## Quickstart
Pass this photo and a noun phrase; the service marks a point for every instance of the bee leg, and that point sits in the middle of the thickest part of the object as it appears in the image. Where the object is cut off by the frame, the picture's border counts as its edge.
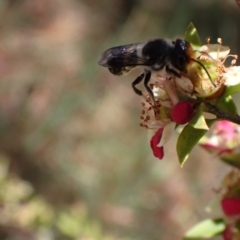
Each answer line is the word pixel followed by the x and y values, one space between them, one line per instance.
pixel 169 70
pixel 137 81
pixel 146 81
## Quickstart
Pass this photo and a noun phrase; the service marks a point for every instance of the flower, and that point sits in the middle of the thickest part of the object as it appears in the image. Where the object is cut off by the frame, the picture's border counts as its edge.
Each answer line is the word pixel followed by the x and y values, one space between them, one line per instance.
pixel 231 206
pixel 182 112
pixel 232 76
pixel 206 73
pixel 175 99
pixel 162 113
pixel 225 139
pixel 157 151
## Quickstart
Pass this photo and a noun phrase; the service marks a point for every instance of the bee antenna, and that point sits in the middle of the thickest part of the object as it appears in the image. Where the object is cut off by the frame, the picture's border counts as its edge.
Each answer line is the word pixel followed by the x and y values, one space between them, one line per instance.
pixel 205 71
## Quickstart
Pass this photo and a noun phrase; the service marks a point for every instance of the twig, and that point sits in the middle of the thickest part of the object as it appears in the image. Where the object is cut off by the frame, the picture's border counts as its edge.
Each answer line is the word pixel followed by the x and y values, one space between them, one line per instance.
pixel 221 114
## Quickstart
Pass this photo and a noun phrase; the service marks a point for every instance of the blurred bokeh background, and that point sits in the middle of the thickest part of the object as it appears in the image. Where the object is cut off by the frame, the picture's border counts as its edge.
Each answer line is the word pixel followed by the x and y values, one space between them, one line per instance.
pixel 74 163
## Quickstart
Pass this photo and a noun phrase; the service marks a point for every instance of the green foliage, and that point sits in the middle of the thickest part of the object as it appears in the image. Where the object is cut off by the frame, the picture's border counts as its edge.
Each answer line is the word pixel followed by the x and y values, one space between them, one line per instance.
pixel 191 134
pixel 25 210
pixel 198 121
pixel 230 90
pixel 187 139
pixel 227 105
pixel 232 159
pixel 191 35
pixel 206 229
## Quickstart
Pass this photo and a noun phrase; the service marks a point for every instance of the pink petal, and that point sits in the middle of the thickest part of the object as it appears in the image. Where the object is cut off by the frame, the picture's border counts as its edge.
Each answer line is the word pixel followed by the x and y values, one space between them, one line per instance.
pixel 227 233
pixel 182 112
pixel 226 129
pixel 157 151
pixel 219 150
pixel 231 206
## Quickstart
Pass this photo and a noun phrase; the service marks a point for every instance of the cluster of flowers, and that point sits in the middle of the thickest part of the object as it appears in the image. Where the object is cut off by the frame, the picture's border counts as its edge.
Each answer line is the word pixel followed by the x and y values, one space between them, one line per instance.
pixel 175 98
pixel 225 144
pixel 224 141
pixel 231 205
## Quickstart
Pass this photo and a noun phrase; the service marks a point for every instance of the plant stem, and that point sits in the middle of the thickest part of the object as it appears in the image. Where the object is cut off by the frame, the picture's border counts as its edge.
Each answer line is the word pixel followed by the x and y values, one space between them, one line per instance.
pixel 220 114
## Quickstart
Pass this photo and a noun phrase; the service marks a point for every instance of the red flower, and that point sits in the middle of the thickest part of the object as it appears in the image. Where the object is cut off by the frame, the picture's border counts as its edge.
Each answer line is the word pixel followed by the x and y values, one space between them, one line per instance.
pixel 231 206
pixel 157 151
pixel 182 112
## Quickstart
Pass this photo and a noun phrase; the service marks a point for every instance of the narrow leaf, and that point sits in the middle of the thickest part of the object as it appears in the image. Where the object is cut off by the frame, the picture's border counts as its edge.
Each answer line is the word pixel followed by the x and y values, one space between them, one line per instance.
pixel 191 35
pixel 198 120
pixel 230 90
pixel 231 159
pixel 227 105
pixel 206 229
pixel 188 138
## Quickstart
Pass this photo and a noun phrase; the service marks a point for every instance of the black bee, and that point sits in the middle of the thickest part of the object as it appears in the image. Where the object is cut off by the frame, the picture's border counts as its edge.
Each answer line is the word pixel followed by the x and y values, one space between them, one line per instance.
pixel 153 56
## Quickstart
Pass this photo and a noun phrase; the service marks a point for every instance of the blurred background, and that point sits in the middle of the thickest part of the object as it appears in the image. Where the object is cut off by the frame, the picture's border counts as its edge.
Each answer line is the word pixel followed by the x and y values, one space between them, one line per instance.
pixel 74 163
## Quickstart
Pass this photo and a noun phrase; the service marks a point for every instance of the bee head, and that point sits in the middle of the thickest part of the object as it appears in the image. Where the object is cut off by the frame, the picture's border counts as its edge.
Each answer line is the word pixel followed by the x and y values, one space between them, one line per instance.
pixel 180 55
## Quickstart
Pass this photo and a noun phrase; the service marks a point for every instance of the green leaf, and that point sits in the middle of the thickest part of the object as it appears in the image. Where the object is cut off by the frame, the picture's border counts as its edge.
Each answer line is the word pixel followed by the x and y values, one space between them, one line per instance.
pixel 206 229
pixel 188 138
pixel 227 105
pixel 191 35
pixel 198 120
pixel 230 90
pixel 237 225
pixel 69 225
pixel 232 159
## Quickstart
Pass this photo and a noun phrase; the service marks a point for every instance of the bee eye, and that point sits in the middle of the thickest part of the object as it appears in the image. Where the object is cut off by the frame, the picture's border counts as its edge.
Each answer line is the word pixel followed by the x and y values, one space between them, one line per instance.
pixel 181 62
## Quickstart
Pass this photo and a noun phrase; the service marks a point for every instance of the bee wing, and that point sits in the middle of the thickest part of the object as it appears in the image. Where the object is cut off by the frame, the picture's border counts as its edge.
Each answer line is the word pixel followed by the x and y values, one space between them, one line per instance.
pixel 124 56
